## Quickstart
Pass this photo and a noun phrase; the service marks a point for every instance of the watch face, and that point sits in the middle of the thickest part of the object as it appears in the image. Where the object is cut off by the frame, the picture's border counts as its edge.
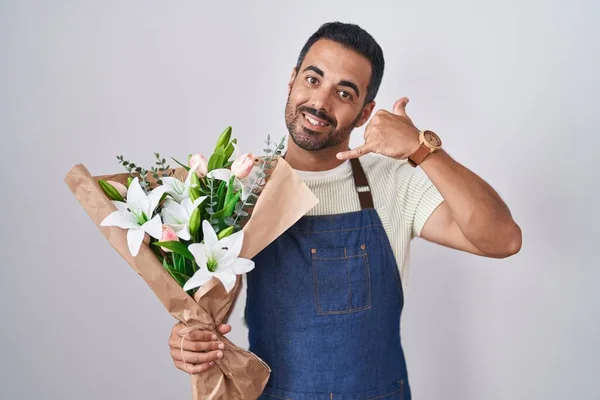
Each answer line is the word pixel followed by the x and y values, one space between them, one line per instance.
pixel 432 138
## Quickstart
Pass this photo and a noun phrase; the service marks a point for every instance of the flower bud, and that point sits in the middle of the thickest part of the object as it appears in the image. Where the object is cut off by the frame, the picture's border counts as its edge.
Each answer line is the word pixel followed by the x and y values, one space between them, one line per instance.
pixel 168 235
pixel 242 166
pixel 194 222
pixel 224 138
pixel 198 164
pixel 122 189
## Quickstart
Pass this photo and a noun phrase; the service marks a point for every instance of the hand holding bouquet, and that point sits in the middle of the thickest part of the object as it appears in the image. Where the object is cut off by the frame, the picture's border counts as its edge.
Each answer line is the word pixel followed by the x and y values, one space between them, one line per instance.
pixel 191 233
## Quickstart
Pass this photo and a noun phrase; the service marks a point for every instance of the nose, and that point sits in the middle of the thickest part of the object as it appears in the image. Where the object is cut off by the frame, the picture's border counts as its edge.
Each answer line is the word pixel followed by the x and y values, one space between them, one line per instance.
pixel 321 101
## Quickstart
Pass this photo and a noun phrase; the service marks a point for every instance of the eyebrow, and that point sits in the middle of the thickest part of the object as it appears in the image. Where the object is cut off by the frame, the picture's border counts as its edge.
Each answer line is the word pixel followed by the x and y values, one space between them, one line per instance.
pixel 346 83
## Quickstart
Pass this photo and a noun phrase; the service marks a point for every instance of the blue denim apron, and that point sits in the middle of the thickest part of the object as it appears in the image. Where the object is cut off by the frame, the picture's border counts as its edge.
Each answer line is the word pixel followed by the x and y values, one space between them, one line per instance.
pixel 323 309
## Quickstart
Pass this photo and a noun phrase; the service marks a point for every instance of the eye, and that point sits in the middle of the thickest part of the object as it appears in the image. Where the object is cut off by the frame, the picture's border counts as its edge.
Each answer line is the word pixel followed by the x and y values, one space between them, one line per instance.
pixel 312 80
pixel 345 95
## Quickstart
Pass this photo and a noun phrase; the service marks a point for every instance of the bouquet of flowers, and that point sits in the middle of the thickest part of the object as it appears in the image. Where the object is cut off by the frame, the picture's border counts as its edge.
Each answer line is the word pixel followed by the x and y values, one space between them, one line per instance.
pixel 191 232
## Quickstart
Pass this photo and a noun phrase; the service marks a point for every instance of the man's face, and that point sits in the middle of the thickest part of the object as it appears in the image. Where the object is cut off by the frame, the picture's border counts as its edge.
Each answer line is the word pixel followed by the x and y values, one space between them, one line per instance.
pixel 326 96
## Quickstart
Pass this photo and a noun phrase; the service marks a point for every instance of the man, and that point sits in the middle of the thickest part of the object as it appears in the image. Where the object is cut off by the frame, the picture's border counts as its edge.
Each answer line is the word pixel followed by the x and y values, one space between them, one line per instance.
pixel 324 301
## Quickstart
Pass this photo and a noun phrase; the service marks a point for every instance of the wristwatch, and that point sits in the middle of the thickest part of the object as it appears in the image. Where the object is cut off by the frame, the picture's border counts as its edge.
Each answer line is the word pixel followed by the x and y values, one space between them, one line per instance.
pixel 429 142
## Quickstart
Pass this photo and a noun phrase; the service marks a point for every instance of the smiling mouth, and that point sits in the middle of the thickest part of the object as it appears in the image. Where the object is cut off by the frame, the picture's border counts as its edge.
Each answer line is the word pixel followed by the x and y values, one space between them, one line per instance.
pixel 314 121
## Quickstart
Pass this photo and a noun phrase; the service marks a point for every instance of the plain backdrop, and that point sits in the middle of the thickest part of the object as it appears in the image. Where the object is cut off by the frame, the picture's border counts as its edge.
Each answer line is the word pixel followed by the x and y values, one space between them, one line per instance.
pixel 511 86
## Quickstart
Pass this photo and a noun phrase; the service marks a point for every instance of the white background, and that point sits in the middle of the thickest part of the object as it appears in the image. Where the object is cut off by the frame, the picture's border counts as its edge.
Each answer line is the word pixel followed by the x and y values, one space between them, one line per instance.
pixel 511 86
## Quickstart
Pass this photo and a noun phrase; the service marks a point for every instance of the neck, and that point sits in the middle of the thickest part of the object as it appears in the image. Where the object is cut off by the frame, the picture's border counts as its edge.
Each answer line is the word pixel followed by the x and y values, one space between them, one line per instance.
pixel 319 160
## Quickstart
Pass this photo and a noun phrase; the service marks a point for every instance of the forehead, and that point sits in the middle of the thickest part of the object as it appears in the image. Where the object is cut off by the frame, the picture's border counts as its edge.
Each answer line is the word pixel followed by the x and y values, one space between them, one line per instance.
pixel 338 63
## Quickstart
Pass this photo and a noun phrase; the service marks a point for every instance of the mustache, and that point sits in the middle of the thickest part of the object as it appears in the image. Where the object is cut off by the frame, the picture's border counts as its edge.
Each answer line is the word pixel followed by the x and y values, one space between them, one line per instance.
pixel 319 114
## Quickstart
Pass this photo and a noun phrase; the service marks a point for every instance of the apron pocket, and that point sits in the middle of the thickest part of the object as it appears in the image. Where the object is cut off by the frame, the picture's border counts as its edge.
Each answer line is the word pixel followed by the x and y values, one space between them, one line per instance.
pixel 342 280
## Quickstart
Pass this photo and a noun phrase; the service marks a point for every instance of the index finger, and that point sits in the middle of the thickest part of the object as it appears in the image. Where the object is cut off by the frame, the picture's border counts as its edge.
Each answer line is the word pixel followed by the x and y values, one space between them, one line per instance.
pixel 355 153
pixel 204 336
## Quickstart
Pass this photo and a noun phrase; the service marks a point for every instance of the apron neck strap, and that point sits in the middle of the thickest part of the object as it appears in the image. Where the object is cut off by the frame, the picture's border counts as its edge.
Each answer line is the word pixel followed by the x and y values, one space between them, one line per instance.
pixel 362 185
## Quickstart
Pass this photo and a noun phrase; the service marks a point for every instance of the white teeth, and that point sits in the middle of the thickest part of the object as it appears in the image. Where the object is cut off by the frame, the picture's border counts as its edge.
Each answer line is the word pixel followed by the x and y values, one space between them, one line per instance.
pixel 314 122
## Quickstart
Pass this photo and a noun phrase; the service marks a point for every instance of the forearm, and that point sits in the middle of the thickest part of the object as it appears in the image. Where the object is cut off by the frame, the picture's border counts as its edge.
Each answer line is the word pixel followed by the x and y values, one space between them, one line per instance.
pixel 478 211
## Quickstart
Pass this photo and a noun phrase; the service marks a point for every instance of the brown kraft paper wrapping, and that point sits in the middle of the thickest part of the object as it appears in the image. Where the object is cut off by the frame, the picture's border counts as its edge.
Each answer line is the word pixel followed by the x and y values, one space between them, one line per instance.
pixel 239 374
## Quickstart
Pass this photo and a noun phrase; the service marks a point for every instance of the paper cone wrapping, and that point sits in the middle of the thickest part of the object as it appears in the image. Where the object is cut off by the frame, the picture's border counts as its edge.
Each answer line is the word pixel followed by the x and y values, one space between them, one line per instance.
pixel 240 374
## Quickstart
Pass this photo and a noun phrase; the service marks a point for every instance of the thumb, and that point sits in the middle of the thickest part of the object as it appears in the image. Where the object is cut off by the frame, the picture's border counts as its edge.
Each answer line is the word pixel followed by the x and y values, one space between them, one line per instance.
pixel 400 107
pixel 224 329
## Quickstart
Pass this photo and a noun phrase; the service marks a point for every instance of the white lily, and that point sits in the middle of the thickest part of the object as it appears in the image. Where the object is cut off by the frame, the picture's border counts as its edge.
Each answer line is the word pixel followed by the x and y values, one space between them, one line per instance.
pixel 224 174
pixel 176 188
pixel 218 258
pixel 177 216
pixel 135 215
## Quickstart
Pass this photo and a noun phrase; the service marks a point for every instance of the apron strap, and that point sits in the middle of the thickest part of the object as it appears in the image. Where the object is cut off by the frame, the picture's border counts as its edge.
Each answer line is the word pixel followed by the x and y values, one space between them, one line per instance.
pixel 362 185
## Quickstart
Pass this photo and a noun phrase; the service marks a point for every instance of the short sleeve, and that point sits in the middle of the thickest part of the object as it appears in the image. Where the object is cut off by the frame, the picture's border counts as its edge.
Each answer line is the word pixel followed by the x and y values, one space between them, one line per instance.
pixel 417 196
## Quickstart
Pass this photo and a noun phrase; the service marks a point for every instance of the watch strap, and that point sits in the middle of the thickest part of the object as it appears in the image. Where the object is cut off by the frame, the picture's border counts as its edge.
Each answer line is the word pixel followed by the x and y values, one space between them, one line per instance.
pixel 419 155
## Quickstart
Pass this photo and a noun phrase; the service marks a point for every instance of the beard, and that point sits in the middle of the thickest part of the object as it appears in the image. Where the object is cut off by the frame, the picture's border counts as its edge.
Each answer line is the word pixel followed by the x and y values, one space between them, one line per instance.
pixel 310 140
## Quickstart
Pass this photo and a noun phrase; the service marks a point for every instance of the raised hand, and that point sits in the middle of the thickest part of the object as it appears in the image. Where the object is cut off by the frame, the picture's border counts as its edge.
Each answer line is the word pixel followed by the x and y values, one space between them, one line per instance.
pixel 391 134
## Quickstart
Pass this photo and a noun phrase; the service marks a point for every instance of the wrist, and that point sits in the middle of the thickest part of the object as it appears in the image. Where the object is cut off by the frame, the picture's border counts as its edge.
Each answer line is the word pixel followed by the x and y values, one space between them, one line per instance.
pixel 429 143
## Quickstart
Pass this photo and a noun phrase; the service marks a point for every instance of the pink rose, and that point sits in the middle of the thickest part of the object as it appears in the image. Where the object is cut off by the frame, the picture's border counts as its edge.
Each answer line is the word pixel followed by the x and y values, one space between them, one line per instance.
pixel 199 164
pixel 168 235
pixel 242 166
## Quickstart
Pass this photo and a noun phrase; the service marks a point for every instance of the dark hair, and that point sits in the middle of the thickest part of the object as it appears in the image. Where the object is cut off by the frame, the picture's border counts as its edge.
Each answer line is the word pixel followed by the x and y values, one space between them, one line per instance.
pixel 355 38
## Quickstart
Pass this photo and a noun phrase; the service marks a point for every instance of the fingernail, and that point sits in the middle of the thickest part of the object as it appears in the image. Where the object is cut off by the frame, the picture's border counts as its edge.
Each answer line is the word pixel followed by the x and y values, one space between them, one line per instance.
pixel 338 155
pixel 214 337
pixel 219 354
pixel 212 363
pixel 221 346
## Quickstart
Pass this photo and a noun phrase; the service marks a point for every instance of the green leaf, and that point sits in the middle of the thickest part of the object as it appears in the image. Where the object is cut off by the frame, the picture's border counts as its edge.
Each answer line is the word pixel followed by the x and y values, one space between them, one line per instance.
pixel 183 165
pixel 217 159
pixel 194 193
pixel 230 206
pixel 179 263
pixel 229 150
pixel 221 195
pixel 176 247
pixel 180 278
pixel 230 190
pixel 110 191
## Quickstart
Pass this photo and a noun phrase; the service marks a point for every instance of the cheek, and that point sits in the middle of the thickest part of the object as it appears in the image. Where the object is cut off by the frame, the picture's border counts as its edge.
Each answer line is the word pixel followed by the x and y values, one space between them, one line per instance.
pixel 299 96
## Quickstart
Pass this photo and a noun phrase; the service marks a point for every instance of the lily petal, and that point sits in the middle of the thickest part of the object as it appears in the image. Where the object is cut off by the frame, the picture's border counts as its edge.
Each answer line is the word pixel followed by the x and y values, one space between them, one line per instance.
pixel 175 213
pixel 153 227
pixel 236 151
pixel 210 236
pixel 154 198
pixel 135 237
pixel 187 206
pixel 233 244
pixel 242 266
pixel 175 188
pixel 136 198
pixel 199 201
pixel 222 174
pixel 188 179
pixel 184 233
pixel 201 276
pixel 121 206
pixel 123 220
pixel 227 278
pixel 198 250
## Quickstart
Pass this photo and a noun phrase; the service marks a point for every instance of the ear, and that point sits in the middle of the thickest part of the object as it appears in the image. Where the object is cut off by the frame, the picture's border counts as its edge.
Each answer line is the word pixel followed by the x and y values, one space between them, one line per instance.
pixel 365 114
pixel 292 79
